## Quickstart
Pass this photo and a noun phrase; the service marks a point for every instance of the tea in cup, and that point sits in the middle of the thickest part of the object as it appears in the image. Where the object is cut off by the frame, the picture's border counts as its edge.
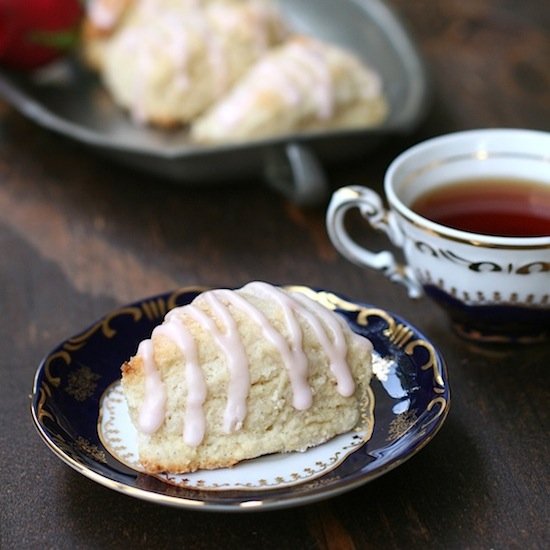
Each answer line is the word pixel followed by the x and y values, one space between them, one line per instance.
pixel 471 213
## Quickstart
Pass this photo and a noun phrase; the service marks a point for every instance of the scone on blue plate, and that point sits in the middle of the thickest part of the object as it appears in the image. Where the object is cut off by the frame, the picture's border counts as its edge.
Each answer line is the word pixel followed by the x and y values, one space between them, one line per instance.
pixel 238 374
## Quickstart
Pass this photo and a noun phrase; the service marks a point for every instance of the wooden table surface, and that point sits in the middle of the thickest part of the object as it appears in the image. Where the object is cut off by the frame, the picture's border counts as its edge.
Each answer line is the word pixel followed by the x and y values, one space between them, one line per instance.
pixel 79 237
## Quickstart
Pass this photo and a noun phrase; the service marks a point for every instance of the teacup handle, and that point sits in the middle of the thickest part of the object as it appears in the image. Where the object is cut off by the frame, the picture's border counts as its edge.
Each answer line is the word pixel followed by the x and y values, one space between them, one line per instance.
pixel 371 208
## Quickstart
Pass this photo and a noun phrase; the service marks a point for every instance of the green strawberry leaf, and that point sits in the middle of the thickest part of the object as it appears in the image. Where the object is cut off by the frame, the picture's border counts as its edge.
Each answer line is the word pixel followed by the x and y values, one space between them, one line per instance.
pixel 58 40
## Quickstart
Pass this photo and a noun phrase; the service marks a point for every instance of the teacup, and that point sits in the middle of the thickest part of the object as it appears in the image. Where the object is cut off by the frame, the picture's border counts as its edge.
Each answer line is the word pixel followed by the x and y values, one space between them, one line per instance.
pixel 495 287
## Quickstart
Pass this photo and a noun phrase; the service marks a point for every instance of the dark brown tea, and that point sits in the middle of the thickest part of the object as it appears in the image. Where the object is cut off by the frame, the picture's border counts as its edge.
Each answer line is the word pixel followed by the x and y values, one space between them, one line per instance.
pixel 504 207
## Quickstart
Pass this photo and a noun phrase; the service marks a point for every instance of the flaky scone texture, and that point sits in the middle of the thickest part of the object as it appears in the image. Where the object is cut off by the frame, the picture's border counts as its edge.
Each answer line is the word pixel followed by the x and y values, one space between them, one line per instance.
pixel 271 423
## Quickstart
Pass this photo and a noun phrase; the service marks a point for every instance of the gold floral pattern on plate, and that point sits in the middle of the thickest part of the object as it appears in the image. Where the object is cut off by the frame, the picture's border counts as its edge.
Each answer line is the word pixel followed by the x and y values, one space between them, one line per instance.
pixel 119 437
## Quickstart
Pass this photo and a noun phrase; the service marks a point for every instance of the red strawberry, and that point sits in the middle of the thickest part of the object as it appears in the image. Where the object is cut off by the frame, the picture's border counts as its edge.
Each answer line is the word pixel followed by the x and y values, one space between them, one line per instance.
pixel 35 32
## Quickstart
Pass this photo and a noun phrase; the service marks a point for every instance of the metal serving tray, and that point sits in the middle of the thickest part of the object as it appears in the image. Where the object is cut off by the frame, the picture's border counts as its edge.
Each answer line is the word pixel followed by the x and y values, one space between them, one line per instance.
pixel 71 101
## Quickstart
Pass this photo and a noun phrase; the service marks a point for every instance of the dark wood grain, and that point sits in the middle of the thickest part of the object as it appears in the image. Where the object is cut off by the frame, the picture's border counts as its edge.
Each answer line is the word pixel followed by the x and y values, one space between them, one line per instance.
pixel 79 236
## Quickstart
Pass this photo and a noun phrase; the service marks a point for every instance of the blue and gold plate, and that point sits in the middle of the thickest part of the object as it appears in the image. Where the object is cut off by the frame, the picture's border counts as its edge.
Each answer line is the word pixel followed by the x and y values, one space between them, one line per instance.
pixel 78 409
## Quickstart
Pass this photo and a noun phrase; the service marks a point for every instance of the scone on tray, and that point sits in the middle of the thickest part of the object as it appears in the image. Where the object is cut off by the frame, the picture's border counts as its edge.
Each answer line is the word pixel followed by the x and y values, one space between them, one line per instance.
pixel 302 85
pixel 228 70
pixel 239 374
pixel 169 60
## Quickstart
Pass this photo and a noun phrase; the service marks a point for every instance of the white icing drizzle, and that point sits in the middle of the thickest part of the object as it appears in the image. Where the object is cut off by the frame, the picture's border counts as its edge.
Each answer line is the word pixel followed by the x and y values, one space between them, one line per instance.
pixel 237 362
pixel 293 359
pixel 312 58
pixel 151 414
pixel 336 348
pixel 218 321
pixel 195 421
pixel 294 72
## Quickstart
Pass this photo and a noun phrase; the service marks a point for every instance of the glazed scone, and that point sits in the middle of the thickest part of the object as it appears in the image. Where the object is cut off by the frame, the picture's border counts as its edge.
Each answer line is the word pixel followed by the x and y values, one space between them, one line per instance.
pixel 170 60
pixel 102 19
pixel 302 85
pixel 239 374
